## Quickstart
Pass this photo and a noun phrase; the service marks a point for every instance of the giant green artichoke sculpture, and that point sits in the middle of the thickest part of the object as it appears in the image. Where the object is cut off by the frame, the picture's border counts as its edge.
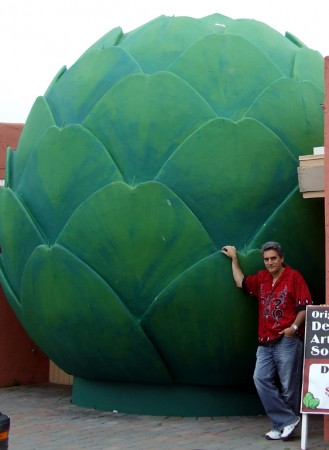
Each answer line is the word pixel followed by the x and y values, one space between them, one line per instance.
pixel 153 150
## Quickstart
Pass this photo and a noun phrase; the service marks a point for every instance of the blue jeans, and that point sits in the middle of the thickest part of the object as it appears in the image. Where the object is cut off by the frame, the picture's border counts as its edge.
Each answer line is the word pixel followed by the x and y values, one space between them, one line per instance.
pixel 277 378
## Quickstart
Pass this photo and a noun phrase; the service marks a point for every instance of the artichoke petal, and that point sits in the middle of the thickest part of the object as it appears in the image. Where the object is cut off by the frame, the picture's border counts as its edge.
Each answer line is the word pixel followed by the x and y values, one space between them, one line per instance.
pixel 142 238
pixel 217 22
pixel 58 75
pixel 290 98
pixel 225 188
pixel 279 49
pixel 141 131
pixel 305 61
pixel 207 347
pixel 59 168
pixel 16 226
pixel 10 161
pixel 38 122
pixel 232 80
pixel 77 310
pixel 80 88
pixel 177 33
pixel 109 39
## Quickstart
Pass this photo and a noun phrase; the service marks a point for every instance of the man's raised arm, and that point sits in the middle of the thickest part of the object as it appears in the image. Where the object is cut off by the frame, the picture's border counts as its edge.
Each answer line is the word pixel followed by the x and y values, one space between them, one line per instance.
pixel 230 252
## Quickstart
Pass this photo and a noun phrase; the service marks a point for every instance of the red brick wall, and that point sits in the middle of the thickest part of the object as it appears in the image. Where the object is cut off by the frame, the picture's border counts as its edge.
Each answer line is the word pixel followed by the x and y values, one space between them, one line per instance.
pixel 22 362
pixel 9 135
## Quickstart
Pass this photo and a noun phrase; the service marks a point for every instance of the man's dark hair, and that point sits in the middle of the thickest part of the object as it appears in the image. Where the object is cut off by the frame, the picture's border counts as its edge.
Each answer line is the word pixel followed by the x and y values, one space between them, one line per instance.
pixel 271 245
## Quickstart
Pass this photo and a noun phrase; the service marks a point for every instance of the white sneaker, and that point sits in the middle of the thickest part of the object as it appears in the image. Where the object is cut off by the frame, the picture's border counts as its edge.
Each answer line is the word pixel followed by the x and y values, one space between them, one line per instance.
pixel 289 429
pixel 273 435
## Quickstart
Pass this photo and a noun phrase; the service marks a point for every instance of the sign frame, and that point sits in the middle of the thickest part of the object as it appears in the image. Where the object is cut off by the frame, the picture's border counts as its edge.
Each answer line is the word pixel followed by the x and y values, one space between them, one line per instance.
pixel 315 385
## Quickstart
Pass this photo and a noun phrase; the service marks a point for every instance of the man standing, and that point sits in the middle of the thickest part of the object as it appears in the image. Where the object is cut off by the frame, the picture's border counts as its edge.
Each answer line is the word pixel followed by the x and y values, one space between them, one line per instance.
pixel 282 296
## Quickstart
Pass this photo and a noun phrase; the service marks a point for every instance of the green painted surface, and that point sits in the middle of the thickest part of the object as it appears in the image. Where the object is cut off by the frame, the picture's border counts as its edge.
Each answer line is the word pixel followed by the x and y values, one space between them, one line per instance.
pixel 163 400
pixel 153 150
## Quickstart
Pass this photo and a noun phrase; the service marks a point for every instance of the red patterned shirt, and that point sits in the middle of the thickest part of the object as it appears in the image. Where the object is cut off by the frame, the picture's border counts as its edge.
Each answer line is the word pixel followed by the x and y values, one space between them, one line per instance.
pixel 278 305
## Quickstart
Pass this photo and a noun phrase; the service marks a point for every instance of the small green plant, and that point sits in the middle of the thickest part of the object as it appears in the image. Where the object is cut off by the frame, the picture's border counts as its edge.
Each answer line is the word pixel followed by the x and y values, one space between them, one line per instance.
pixel 310 401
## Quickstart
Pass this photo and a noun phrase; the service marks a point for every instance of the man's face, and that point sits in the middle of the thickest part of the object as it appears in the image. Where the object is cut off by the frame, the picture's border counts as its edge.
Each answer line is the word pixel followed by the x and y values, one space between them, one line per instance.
pixel 273 262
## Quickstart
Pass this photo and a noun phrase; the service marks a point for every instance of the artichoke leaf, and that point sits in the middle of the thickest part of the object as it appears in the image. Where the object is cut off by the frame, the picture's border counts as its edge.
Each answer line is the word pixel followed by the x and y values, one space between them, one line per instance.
pixel 59 168
pixel 138 239
pixel 231 81
pixel 306 60
pixel 204 173
pixel 74 311
pixel 81 87
pixel 290 98
pixel 178 33
pixel 188 322
pixel 10 161
pixel 141 131
pixel 60 73
pixel 109 39
pixel 38 122
pixel 280 50
pixel 16 226
pixel 217 22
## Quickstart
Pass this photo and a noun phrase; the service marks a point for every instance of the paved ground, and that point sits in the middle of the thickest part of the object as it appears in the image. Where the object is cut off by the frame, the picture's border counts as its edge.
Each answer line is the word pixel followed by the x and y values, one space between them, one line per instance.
pixel 43 418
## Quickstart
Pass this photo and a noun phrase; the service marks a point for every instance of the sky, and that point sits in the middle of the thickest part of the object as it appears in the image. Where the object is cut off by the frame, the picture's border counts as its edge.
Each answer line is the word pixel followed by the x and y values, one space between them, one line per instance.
pixel 38 37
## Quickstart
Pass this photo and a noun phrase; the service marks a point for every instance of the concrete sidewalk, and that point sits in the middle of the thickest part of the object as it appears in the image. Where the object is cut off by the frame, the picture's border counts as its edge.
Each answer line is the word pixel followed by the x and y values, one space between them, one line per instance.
pixel 43 418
